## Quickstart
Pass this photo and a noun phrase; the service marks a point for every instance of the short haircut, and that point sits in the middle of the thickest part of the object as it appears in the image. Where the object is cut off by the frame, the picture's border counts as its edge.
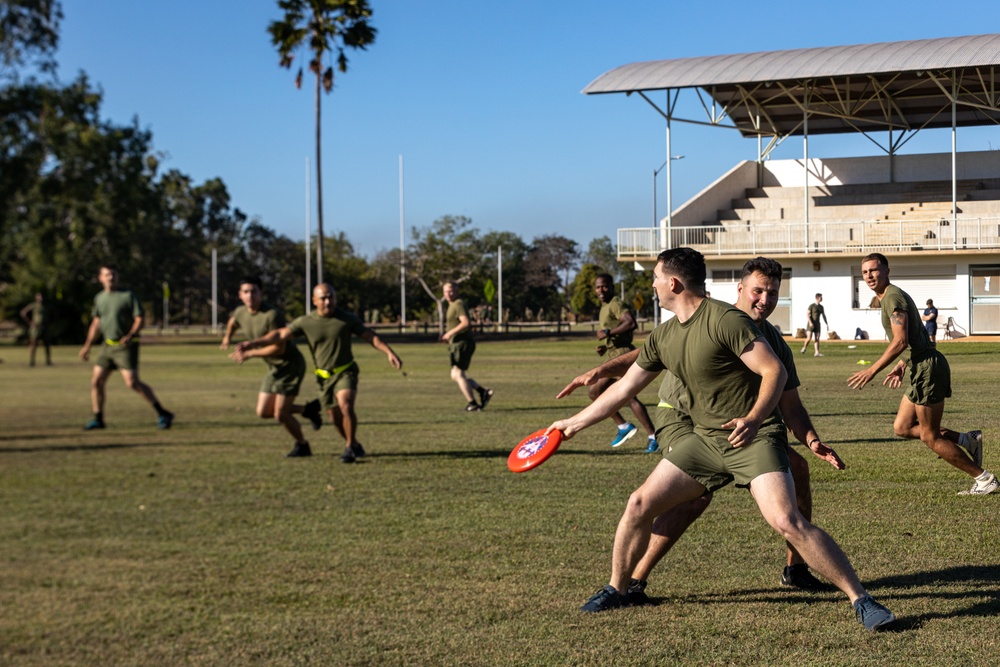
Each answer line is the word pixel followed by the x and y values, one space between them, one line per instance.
pixel 110 266
pixel 685 263
pixel 818 295
pixel 252 280
pixel 764 266
pixel 876 257
pixel 606 277
pixel 930 302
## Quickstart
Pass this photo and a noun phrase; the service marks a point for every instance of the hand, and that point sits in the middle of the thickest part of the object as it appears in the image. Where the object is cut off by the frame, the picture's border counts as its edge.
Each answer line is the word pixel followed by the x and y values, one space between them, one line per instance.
pixel 744 431
pixel 602 334
pixel 564 425
pixel 243 347
pixel 394 360
pixel 860 379
pixel 126 339
pixel 445 337
pixel 225 344
pixel 85 352
pixel 826 453
pixel 601 349
pixel 238 355
pixel 585 380
pixel 894 379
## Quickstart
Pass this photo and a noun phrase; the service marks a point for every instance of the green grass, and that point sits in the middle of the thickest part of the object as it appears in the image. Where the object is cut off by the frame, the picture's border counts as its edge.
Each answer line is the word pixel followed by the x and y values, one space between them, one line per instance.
pixel 202 545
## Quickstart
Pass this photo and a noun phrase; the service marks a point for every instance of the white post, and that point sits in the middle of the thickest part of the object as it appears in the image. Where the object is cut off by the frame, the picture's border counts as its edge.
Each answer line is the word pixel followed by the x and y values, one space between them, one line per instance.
pixel 954 164
pixel 215 290
pixel 166 302
pixel 499 288
pixel 402 251
pixel 308 238
pixel 670 186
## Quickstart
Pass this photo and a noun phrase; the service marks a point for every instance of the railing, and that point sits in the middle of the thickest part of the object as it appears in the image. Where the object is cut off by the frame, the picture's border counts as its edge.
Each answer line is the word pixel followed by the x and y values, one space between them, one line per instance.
pixel 858 236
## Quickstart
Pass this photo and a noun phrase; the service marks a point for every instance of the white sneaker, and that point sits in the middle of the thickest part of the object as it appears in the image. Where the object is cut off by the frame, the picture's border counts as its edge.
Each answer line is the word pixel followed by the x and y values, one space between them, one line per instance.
pixel 818 354
pixel 992 485
pixel 973 443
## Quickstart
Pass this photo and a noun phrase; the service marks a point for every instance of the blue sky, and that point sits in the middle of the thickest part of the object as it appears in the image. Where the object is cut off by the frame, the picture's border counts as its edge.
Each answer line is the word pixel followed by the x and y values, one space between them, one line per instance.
pixel 481 97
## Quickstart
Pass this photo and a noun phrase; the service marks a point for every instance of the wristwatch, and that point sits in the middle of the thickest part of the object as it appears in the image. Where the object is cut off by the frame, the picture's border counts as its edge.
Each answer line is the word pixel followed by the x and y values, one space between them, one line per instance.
pixel 607 333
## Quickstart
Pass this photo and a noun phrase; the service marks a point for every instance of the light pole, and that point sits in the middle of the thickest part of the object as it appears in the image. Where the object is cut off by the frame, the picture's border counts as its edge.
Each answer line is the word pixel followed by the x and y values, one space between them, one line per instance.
pixel 656 173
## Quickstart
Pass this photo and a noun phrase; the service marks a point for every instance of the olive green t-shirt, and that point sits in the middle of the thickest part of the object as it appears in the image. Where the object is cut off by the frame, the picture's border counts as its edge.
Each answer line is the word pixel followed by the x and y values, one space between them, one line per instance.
pixel 896 299
pixel 39 315
pixel 456 309
pixel 815 312
pixel 704 354
pixel 117 310
pixel 265 320
pixel 610 317
pixel 329 338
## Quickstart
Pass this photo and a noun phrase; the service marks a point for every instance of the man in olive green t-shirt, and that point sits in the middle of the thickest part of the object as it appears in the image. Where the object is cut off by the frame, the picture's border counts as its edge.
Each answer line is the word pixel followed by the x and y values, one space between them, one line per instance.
pixel 36 316
pixel 813 315
pixel 922 406
pixel 617 323
pixel 328 331
pixel 461 347
pixel 285 365
pixel 734 382
pixel 117 320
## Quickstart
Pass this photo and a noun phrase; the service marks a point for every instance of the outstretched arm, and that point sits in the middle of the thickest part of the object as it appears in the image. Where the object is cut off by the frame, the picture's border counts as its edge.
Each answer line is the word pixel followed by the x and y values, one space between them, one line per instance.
pixel 799 423
pixel 634 381
pixel 382 346
pixel 277 337
pixel 897 345
pixel 613 368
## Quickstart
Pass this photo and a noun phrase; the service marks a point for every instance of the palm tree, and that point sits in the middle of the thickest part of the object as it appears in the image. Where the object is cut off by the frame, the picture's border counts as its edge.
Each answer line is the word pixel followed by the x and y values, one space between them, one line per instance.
pixel 321 27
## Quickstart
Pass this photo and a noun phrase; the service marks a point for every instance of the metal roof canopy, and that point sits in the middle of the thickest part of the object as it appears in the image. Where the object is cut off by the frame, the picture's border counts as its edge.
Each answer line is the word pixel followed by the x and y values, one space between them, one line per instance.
pixel 893 86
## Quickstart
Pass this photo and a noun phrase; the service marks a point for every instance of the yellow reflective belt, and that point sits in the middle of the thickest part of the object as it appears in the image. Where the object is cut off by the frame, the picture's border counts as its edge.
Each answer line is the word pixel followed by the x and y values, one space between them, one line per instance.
pixel 664 404
pixel 326 375
pixel 108 341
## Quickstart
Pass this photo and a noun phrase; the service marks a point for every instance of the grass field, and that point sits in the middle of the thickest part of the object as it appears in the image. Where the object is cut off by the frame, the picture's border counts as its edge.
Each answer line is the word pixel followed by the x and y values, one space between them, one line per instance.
pixel 203 545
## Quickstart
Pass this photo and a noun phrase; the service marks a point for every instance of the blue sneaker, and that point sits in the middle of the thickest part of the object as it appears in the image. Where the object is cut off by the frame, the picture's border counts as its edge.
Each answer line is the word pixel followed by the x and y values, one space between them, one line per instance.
pixel 653 446
pixel 623 434
pixel 603 600
pixel 92 424
pixel 165 420
pixel 871 614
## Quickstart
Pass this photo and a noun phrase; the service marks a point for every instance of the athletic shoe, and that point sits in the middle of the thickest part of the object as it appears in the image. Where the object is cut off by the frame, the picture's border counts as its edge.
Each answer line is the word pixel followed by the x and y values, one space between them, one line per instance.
pixel 347 456
pixel 92 424
pixel 313 413
pixel 799 576
pixel 603 600
pixel 300 449
pixel 472 407
pixel 871 614
pixel 165 420
pixel 973 443
pixel 484 397
pixel 624 434
pixel 636 596
pixel 992 485
pixel 818 354
pixel 358 450
pixel 653 446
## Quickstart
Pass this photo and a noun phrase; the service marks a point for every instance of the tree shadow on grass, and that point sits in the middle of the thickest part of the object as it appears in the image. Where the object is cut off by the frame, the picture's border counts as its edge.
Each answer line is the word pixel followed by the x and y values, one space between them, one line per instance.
pixel 979 584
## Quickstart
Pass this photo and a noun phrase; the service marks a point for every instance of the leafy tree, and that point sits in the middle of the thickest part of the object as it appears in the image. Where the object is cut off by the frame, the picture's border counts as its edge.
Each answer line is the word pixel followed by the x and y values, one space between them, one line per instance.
pixel 547 268
pixel 450 251
pixel 602 253
pixel 321 27
pixel 584 300
pixel 29 34
pixel 515 252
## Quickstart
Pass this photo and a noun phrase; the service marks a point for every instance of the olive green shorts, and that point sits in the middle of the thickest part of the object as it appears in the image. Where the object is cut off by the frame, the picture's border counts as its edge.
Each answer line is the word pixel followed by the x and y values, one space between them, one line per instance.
pixel 614 352
pixel 707 456
pixel 285 379
pixel 671 425
pixel 461 353
pixel 930 379
pixel 122 357
pixel 342 381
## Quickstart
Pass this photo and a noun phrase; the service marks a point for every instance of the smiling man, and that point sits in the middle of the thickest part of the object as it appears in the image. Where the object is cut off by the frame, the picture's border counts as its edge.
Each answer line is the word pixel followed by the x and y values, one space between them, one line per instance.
pixel 929 379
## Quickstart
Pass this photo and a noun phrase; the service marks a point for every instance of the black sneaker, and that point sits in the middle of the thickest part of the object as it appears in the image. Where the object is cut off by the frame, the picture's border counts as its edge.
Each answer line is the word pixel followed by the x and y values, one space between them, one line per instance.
pixel 93 424
pixel 484 397
pixel 636 596
pixel 347 456
pixel 799 576
pixel 300 449
pixel 357 450
pixel 871 614
pixel 165 420
pixel 313 413
pixel 472 407
pixel 604 600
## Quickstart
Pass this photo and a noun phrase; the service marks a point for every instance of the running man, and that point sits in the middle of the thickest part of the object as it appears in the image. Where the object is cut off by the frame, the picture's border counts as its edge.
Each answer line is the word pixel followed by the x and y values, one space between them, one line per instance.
pixel 813 329
pixel 328 330
pixel 734 383
pixel 36 316
pixel 617 324
pixel 461 347
pixel 757 296
pixel 118 318
pixel 285 365
pixel 929 379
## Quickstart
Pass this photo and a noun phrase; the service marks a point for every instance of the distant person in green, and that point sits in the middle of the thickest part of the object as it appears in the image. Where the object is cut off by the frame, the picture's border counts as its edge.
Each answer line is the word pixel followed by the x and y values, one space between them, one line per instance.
pixel 36 316
pixel 285 365
pixel 813 329
pixel 118 318
pixel 617 323
pixel 929 379
pixel 461 347
pixel 328 331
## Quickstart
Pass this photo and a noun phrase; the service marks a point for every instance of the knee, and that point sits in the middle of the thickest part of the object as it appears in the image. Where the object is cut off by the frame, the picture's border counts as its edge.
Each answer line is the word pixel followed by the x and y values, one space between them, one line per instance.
pixel 790 524
pixel 638 508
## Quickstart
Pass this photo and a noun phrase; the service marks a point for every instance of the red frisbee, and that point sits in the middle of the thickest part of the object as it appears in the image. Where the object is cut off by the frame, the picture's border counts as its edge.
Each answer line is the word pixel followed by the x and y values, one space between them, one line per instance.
pixel 534 450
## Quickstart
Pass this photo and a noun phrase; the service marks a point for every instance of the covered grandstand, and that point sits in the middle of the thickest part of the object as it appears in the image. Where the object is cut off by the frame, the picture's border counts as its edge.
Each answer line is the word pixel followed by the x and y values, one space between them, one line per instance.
pixel 936 216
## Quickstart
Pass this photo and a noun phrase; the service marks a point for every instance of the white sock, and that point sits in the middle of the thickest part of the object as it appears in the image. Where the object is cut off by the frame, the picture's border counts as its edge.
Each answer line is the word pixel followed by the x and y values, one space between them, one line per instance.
pixel 985 477
pixel 624 427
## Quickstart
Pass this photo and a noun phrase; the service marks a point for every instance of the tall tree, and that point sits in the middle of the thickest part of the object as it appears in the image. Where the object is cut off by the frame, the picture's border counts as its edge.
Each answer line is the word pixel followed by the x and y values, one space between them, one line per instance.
pixel 29 33
pixel 321 27
pixel 450 251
